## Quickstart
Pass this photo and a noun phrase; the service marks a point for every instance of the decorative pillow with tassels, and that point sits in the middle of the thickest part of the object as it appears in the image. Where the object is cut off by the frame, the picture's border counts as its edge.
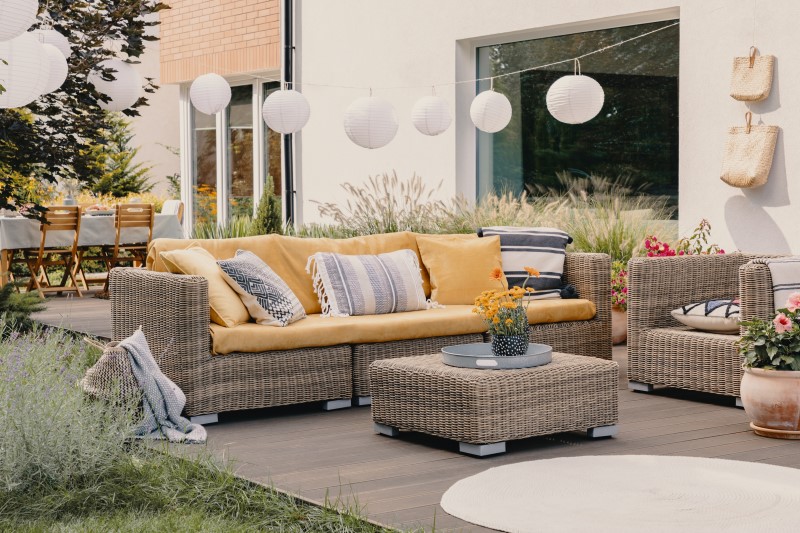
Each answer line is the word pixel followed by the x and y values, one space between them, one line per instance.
pixel 350 285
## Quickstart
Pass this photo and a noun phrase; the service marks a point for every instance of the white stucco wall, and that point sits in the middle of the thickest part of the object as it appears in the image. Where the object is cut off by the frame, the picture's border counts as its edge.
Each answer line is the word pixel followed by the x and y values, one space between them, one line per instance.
pixel 421 42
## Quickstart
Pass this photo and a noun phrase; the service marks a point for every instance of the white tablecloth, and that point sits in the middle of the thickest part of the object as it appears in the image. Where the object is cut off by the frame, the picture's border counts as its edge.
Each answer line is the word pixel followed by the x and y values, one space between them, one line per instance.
pixel 18 233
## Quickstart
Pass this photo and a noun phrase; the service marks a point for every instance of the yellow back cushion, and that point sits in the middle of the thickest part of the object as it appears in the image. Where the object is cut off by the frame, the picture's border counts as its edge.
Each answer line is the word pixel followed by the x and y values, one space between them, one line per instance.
pixel 227 308
pixel 459 267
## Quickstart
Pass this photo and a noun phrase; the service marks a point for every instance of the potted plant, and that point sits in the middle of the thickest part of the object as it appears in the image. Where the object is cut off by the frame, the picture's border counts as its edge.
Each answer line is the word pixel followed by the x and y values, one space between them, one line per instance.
pixel 619 303
pixel 505 312
pixel 771 383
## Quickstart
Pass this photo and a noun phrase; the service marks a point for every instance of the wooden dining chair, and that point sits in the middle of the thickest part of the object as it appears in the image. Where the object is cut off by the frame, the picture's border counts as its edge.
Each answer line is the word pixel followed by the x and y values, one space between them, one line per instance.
pixel 59 218
pixel 128 217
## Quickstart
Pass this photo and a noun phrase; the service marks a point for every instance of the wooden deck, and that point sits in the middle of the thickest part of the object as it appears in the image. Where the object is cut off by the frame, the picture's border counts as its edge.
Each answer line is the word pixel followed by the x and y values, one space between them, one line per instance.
pixel 335 456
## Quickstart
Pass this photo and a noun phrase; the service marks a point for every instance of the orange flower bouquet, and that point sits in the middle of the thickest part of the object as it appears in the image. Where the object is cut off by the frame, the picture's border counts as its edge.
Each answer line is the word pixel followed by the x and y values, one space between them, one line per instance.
pixel 505 312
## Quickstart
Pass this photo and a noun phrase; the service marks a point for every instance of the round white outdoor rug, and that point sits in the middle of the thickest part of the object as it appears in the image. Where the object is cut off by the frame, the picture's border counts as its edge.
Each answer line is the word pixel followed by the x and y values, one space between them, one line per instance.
pixel 630 493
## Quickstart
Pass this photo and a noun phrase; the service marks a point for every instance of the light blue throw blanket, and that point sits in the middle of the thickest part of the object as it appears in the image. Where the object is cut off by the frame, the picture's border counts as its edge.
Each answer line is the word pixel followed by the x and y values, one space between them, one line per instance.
pixel 162 400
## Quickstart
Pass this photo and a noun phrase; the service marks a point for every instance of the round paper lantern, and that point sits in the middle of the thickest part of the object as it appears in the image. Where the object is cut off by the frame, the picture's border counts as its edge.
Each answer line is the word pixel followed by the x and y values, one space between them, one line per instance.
pixel 370 122
pixel 16 16
pixel 56 39
pixel 210 93
pixel 431 115
pixel 124 90
pixel 490 111
pixel 24 73
pixel 58 68
pixel 575 99
pixel 286 111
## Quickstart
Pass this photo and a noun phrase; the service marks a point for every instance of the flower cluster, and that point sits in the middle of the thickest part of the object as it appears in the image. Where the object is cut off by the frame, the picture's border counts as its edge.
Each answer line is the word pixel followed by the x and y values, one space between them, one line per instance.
pixel 505 311
pixel 696 244
pixel 656 248
pixel 774 344
pixel 619 285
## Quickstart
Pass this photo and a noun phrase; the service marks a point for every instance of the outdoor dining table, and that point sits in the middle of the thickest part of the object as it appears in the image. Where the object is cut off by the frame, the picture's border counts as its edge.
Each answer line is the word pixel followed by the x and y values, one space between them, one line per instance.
pixel 18 233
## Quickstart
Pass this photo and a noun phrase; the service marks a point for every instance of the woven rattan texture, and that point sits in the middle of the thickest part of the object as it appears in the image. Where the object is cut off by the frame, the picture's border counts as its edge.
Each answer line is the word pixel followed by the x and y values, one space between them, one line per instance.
pixel 752 84
pixel 589 273
pixel 174 314
pixel 660 350
pixel 366 354
pixel 484 406
pixel 111 378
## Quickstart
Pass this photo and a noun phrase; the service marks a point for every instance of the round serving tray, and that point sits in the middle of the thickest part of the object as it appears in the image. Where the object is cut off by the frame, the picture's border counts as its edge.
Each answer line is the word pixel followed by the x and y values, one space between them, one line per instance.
pixel 479 355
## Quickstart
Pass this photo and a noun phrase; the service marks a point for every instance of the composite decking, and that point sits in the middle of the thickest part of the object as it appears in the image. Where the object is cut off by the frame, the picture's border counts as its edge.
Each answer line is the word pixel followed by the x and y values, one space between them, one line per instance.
pixel 336 457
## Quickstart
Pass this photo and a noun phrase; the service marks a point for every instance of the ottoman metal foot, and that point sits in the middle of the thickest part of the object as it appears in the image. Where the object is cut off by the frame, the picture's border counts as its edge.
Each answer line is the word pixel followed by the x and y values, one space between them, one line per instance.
pixel 640 387
pixel 383 429
pixel 739 402
pixel 482 450
pixel 332 405
pixel 602 431
pixel 204 420
pixel 363 400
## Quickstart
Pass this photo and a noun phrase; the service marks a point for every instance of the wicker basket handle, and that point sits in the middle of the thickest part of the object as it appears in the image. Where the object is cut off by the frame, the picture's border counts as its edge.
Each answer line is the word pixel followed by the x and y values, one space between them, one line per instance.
pixel 749 118
pixel 753 51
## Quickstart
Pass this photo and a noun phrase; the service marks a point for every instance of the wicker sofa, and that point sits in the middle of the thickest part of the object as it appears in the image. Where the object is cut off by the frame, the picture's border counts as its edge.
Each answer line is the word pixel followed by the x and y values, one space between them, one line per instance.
pixel 661 351
pixel 173 311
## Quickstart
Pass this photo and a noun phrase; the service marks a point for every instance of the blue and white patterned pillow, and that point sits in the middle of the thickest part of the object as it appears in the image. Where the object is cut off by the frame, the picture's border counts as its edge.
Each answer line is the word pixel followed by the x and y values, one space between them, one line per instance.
pixel 716 316
pixel 350 285
pixel 267 297
pixel 541 248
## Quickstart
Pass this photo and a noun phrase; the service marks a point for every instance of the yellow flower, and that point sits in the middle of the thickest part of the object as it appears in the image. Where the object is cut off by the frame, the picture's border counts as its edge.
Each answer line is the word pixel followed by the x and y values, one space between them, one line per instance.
pixel 496 320
pixel 532 272
pixel 496 274
pixel 509 321
pixel 509 305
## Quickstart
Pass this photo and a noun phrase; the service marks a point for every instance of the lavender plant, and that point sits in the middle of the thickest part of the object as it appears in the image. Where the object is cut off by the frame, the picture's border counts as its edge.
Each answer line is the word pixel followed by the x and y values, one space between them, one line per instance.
pixel 52 433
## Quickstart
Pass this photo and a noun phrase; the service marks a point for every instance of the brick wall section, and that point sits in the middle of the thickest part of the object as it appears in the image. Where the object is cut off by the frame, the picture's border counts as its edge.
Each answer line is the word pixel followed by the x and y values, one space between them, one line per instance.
pixel 223 36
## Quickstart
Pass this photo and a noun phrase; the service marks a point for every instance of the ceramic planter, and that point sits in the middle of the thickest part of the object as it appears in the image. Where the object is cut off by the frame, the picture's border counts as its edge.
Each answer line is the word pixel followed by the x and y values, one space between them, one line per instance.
pixel 509 345
pixel 771 399
pixel 619 325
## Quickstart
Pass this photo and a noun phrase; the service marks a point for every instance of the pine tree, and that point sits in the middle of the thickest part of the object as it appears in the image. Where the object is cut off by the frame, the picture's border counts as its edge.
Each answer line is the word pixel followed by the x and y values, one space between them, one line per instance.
pixel 269 216
pixel 121 176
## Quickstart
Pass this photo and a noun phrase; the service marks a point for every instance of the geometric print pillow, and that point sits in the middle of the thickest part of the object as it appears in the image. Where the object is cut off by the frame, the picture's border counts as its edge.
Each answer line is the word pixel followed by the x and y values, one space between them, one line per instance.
pixel 352 285
pixel 267 297
pixel 716 316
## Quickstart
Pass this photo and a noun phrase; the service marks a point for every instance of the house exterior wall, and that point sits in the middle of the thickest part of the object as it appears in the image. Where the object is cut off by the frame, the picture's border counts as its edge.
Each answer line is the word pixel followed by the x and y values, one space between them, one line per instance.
pixel 227 37
pixel 420 43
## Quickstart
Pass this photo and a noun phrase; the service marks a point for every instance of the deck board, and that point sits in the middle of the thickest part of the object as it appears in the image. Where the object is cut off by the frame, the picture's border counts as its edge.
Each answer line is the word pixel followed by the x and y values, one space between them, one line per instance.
pixel 335 456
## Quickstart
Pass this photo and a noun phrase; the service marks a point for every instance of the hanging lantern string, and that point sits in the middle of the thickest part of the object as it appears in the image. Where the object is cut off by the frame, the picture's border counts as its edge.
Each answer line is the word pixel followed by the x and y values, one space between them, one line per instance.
pixel 487 78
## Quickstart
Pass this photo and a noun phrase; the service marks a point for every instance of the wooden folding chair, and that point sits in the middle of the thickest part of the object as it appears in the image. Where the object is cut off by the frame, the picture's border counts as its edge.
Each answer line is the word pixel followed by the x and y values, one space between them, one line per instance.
pixel 126 217
pixel 57 219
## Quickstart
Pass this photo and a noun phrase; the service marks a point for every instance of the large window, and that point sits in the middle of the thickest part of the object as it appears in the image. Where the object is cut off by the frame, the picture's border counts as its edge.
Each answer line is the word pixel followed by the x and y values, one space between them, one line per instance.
pixel 635 136
pixel 240 151
pixel 204 186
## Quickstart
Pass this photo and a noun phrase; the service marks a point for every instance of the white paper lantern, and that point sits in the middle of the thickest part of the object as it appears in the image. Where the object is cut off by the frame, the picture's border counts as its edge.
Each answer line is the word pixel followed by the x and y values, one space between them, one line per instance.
pixel 431 115
pixel 210 93
pixel 575 99
pixel 58 68
pixel 26 73
pixel 124 90
pixel 286 111
pixel 16 16
pixel 490 111
pixel 370 122
pixel 56 39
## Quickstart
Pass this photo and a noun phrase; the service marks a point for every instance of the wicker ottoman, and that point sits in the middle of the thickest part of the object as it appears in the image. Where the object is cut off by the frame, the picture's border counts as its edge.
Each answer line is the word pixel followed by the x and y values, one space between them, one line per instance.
pixel 481 409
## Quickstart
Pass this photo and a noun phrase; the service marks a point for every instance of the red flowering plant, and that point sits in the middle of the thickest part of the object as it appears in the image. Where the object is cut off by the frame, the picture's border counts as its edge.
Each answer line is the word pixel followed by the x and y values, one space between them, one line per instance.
pixel 619 285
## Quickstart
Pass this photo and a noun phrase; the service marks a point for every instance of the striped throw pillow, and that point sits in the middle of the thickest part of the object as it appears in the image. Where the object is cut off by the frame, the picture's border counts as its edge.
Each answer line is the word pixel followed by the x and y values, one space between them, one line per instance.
pixel 349 285
pixel 541 248
pixel 267 297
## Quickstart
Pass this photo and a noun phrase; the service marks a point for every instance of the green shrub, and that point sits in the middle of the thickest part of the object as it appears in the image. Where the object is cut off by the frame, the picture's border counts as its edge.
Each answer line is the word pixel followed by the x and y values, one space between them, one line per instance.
pixel 237 226
pixel 269 215
pixel 51 432
pixel 16 310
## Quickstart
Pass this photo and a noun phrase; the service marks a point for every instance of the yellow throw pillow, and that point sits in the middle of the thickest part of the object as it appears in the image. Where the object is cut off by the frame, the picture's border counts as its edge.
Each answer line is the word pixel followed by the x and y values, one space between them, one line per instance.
pixel 460 268
pixel 227 308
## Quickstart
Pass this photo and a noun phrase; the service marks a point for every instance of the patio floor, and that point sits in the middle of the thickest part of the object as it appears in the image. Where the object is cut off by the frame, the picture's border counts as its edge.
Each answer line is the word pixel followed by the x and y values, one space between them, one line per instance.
pixel 336 456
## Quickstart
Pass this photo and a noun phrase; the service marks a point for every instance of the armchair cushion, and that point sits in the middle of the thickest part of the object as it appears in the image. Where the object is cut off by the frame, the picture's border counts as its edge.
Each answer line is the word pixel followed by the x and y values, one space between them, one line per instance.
pixel 716 316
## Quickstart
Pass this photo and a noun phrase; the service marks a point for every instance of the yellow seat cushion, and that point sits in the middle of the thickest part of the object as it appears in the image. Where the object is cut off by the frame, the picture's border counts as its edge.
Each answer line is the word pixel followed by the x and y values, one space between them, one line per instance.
pixel 316 330
pixel 227 308
pixel 459 268
pixel 288 256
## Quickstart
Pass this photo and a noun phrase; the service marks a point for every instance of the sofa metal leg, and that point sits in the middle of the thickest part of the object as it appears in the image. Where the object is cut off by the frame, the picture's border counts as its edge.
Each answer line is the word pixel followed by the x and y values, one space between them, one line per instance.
pixel 482 450
pixel 332 405
pixel 205 420
pixel 383 429
pixel 602 431
pixel 363 400
pixel 640 387
pixel 739 402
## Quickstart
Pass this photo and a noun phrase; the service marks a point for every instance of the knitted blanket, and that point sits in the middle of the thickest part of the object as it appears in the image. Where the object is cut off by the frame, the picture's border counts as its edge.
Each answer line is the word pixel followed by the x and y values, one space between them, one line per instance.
pixel 785 273
pixel 162 400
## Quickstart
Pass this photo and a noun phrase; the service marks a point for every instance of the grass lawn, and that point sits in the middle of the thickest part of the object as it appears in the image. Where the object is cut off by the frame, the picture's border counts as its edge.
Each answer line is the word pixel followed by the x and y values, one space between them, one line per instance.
pixel 155 492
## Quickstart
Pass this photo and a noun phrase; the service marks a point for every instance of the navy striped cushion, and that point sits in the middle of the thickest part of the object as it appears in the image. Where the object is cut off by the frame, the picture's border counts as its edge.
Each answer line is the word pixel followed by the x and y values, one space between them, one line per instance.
pixel 541 248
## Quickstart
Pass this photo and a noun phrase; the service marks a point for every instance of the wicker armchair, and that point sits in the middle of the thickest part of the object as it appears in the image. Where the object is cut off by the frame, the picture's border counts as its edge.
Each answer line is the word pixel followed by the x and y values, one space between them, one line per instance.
pixel 661 351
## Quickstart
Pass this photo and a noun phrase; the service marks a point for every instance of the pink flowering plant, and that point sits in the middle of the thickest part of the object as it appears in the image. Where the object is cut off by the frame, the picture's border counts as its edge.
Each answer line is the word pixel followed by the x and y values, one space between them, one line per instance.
pixel 773 344
pixel 696 244
pixel 619 285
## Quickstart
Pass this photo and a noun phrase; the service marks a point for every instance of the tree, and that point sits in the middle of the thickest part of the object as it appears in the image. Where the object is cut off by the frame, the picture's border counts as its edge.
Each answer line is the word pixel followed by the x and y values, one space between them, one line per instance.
pixel 269 218
pixel 121 176
pixel 61 127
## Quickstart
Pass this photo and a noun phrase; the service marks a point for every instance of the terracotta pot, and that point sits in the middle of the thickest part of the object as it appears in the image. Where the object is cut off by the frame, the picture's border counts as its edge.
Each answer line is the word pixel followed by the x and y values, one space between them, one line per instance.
pixel 771 399
pixel 619 325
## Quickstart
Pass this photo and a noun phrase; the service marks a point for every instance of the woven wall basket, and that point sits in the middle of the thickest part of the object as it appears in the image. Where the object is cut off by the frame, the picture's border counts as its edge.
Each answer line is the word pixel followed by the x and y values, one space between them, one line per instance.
pixel 748 154
pixel 752 77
